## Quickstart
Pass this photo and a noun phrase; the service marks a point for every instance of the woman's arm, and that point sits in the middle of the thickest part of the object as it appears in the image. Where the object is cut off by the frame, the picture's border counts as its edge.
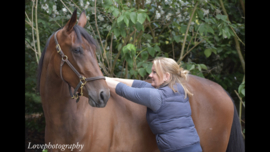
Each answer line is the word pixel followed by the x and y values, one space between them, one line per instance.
pixel 128 82
pixel 149 97
pixel 132 82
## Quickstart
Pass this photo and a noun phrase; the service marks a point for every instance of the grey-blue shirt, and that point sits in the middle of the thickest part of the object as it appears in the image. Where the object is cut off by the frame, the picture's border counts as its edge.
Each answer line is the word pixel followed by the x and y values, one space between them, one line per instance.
pixel 140 92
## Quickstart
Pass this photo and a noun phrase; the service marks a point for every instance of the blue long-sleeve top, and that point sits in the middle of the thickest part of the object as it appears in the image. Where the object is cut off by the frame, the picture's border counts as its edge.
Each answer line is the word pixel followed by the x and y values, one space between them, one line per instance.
pixel 140 92
pixel 168 115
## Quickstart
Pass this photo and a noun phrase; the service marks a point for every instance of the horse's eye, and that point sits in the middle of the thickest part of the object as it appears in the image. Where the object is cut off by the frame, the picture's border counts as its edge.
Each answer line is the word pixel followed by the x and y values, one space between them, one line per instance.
pixel 77 50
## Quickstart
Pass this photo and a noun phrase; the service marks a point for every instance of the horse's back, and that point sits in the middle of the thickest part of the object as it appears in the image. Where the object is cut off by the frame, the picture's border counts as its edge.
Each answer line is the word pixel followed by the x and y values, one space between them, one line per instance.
pixel 212 113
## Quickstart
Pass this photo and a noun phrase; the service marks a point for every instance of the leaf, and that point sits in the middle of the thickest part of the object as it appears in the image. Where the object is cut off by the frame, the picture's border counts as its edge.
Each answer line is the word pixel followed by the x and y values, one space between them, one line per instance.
pixel 131 47
pixel 199 67
pixel 224 33
pixel 227 32
pixel 177 38
pixel 243 91
pixel 200 14
pixel 140 64
pixel 203 66
pixel 197 73
pixel 147 17
pixel 108 2
pixel 112 8
pixel 120 18
pixel 144 55
pixel 151 51
pixel 142 71
pixel 149 68
pixel 126 20
pixel 145 64
pixel 214 50
pixel 142 11
pixel 133 72
pixel 116 32
pixel 130 62
pixel 125 49
pixel 219 50
pixel 190 67
pixel 115 12
pixel 209 29
pixel 241 87
pixel 202 28
pixel 132 50
pixel 207 52
pixel 123 33
pixel 141 17
pixel 139 26
pixel 119 46
pixel 222 17
pixel 183 29
pixel 157 49
pixel 133 17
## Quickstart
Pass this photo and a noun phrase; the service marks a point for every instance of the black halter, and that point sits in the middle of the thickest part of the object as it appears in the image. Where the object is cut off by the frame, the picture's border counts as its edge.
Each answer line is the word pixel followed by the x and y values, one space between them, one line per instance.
pixel 83 80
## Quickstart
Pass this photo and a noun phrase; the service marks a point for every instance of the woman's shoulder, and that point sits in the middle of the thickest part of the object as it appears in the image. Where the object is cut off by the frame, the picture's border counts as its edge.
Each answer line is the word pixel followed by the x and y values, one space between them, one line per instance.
pixel 177 87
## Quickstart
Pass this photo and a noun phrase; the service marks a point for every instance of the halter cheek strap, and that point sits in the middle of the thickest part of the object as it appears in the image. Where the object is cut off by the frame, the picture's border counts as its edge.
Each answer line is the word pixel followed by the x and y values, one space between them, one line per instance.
pixel 83 80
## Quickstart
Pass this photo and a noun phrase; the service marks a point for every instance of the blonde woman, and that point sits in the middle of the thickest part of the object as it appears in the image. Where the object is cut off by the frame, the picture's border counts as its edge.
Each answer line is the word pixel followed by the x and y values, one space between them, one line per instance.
pixel 168 109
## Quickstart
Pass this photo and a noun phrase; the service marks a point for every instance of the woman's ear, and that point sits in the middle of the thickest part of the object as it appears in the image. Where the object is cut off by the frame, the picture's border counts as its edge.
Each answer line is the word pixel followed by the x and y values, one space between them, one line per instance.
pixel 167 76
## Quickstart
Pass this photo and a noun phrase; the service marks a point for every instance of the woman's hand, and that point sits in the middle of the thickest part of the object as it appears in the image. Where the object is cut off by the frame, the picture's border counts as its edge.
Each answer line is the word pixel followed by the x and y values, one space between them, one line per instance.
pixel 111 83
pixel 128 82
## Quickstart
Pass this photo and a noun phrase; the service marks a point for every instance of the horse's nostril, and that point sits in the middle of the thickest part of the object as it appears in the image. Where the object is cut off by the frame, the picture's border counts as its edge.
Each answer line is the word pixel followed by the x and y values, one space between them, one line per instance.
pixel 101 96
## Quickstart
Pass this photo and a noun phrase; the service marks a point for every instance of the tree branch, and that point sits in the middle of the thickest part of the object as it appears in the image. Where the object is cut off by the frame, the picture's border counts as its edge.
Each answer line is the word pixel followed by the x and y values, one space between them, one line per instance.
pixel 183 45
pixel 243 6
pixel 33 36
pixel 237 45
pixel 66 6
pixel 119 52
pixel 37 32
pixel 104 51
pixel 190 50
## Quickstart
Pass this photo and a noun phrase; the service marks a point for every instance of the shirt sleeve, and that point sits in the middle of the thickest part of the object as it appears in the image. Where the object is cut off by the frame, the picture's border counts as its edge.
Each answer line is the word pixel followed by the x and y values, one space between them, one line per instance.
pixel 148 97
pixel 141 84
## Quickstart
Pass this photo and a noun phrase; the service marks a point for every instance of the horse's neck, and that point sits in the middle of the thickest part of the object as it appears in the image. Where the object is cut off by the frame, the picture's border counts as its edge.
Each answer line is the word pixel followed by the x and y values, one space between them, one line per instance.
pixel 64 117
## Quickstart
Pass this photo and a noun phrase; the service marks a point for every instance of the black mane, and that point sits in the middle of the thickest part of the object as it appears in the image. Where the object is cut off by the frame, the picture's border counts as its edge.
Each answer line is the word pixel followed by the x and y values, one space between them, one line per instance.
pixel 79 32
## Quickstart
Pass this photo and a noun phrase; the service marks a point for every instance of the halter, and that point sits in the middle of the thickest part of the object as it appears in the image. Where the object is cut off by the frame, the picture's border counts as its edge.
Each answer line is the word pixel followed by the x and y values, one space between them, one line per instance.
pixel 83 80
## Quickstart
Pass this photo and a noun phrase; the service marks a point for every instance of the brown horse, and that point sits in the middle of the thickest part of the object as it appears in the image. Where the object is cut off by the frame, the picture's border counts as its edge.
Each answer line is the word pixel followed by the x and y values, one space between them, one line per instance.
pixel 118 125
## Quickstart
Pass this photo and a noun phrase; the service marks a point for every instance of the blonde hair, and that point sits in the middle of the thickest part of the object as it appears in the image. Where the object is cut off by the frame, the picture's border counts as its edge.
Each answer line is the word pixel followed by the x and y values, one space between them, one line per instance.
pixel 177 73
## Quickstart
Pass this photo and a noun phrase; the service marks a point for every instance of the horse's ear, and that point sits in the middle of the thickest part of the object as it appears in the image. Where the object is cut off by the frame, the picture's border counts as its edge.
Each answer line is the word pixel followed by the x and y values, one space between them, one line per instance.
pixel 72 21
pixel 82 19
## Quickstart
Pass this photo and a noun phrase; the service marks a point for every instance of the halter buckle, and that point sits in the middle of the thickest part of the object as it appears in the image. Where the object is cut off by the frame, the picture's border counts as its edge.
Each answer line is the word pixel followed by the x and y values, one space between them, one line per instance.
pixel 83 83
pixel 83 80
pixel 75 97
pixel 58 48
pixel 64 56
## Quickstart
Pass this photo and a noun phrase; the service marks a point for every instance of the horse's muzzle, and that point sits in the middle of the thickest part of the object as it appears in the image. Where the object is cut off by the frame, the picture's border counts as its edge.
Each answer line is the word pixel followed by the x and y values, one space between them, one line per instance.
pixel 101 100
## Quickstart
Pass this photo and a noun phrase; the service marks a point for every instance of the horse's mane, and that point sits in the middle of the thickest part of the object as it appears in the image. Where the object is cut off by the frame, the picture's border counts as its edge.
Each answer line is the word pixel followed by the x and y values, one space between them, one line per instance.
pixel 79 32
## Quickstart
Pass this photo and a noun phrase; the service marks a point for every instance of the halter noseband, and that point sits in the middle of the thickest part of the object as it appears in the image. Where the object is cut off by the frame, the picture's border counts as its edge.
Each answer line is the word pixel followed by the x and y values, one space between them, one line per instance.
pixel 83 80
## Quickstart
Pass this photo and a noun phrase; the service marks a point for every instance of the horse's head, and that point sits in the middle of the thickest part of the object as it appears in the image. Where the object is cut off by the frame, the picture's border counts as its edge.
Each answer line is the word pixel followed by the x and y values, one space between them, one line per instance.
pixel 79 49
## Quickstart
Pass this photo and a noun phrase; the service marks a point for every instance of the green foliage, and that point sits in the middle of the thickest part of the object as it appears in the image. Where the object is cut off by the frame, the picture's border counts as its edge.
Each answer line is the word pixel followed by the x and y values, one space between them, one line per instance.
pixel 241 89
pixel 208 52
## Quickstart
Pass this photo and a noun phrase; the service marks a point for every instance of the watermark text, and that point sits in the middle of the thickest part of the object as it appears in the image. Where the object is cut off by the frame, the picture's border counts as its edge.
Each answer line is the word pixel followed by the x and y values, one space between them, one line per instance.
pixel 62 147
